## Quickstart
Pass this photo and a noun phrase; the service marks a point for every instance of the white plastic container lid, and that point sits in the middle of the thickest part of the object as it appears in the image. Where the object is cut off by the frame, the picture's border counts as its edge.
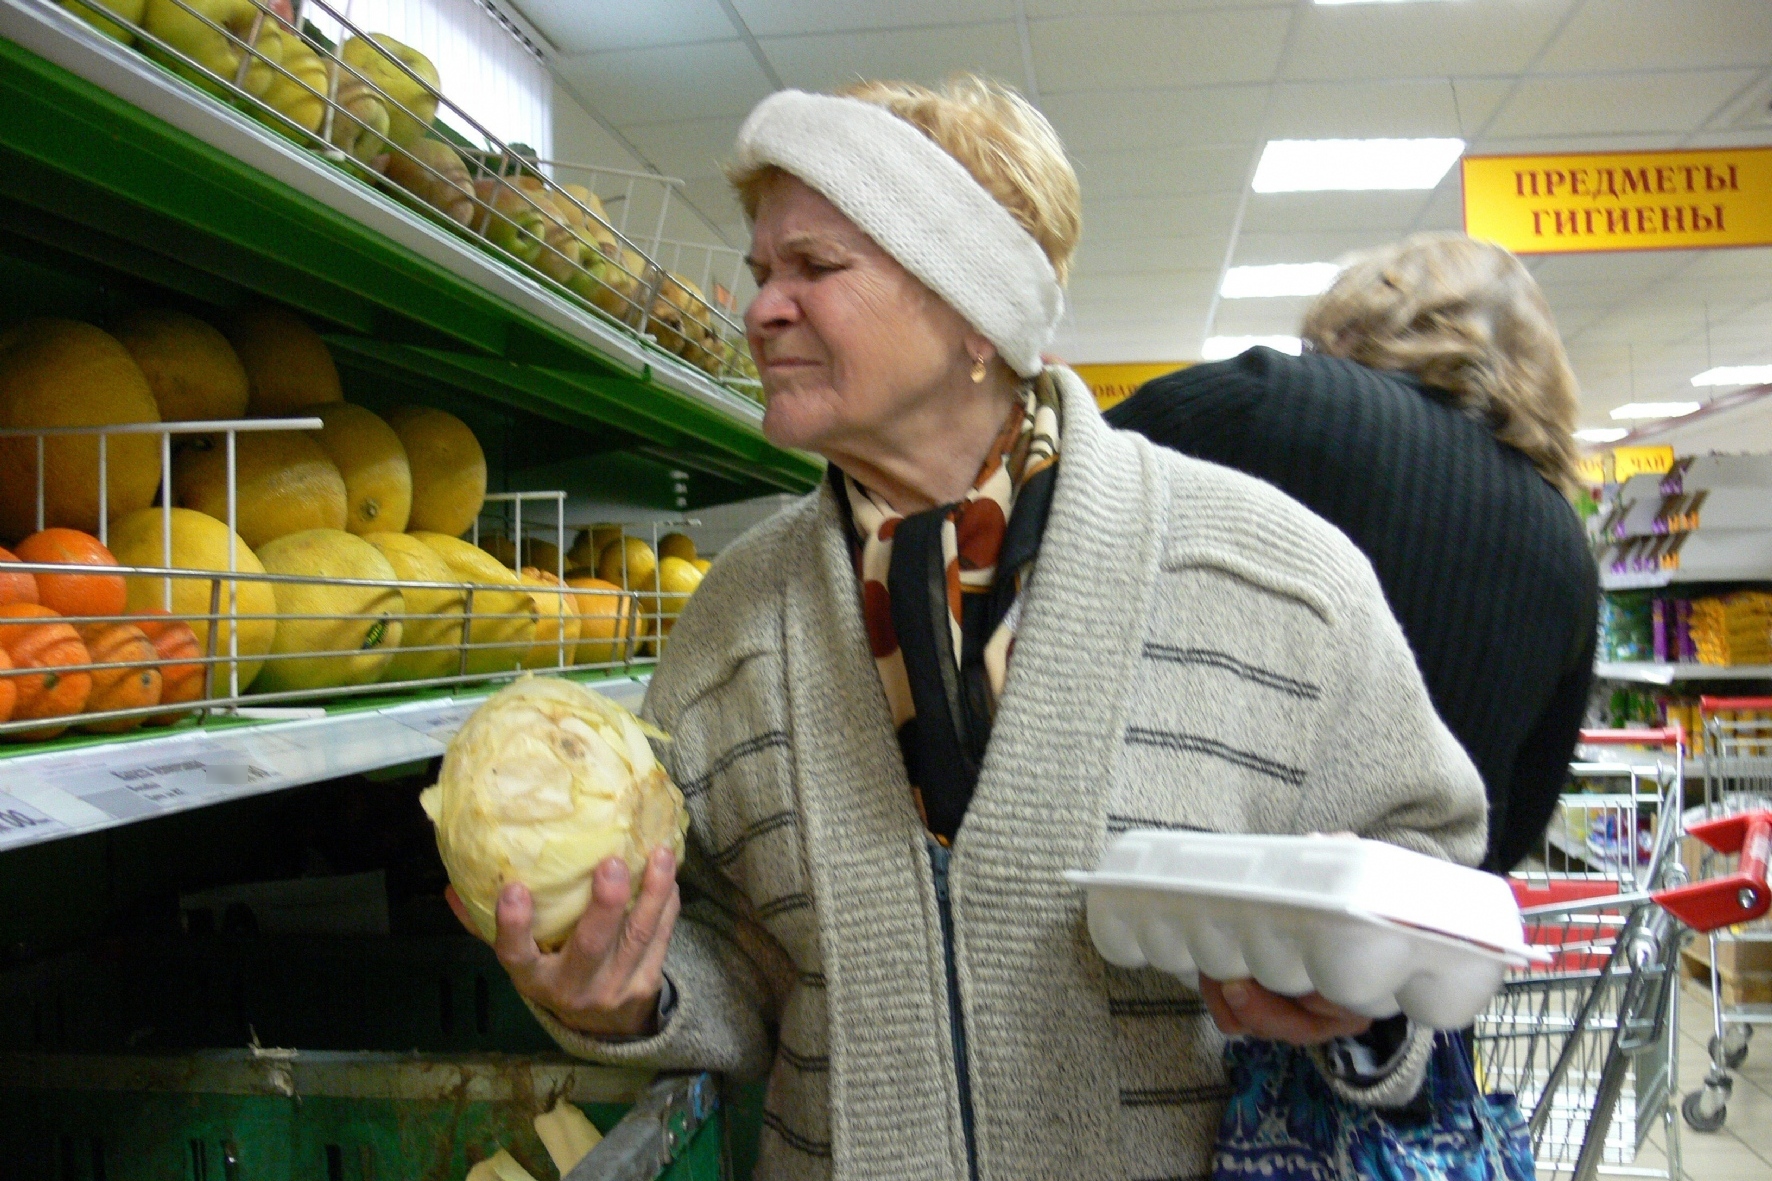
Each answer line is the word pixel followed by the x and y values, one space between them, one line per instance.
pixel 1371 926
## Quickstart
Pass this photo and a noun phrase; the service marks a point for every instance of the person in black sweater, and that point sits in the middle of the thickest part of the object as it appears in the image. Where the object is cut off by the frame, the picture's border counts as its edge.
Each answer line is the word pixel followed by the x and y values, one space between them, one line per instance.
pixel 1430 420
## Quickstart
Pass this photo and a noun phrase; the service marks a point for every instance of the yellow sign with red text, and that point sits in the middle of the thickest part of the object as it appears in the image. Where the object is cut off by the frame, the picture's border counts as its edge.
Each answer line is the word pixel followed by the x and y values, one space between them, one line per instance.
pixel 1677 200
pixel 1113 384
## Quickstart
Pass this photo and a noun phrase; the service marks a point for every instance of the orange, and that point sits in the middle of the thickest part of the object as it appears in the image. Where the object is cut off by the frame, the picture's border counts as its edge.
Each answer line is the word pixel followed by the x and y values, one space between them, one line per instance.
pixel 15 586
pixel 128 681
pixel 74 594
pixel 35 637
pixel 173 639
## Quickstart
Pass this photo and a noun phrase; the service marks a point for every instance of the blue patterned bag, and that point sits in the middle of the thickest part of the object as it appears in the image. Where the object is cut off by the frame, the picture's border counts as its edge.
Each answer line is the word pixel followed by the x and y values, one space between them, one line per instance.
pixel 1285 1123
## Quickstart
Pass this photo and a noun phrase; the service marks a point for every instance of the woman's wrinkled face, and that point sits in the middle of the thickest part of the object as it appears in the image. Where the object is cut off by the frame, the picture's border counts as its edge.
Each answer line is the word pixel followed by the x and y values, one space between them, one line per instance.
pixel 846 341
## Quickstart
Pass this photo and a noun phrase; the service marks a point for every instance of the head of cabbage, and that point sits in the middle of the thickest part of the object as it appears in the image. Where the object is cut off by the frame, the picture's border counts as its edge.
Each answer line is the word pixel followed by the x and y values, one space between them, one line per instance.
pixel 545 781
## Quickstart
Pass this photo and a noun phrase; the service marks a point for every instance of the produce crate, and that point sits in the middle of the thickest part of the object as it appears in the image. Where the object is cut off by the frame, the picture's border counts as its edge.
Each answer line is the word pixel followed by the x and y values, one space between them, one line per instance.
pixel 161 1058
pixel 284 1115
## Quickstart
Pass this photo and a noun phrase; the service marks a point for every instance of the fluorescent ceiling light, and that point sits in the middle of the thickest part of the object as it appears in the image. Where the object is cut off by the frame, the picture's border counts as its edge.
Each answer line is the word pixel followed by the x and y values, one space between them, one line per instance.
pixel 1654 410
pixel 1217 348
pixel 1286 278
pixel 1593 434
pixel 1320 165
pixel 1735 375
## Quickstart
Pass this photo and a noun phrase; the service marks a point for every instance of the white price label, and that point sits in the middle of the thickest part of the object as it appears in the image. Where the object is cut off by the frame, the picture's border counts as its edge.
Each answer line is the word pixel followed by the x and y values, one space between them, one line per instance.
pixel 21 824
pixel 442 723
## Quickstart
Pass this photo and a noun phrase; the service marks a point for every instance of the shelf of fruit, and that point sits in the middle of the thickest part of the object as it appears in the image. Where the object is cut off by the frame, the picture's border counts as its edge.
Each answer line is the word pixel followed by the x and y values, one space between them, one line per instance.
pixel 241 582
pixel 211 151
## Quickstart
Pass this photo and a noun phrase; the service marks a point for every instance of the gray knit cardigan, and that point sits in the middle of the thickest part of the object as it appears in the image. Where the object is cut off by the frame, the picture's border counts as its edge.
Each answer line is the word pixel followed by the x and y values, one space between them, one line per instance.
pixel 1195 651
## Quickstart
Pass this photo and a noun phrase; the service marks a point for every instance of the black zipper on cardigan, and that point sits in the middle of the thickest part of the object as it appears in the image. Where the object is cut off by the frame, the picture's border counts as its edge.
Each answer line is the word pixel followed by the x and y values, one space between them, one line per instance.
pixel 939 857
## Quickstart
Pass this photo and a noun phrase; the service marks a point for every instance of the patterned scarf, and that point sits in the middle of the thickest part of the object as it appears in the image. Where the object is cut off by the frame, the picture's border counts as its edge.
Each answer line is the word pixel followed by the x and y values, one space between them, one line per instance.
pixel 940 594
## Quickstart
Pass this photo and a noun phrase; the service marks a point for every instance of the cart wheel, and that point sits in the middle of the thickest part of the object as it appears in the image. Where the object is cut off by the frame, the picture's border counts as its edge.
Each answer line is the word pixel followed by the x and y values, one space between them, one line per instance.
pixel 1731 1051
pixel 1694 1106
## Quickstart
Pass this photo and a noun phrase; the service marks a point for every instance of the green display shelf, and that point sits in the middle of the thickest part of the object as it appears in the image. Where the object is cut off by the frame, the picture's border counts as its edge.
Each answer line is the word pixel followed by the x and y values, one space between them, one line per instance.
pixel 120 182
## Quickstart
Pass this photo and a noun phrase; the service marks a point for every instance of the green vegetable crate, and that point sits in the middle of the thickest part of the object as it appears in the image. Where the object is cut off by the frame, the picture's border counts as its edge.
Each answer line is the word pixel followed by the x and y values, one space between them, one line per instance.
pixel 161 1059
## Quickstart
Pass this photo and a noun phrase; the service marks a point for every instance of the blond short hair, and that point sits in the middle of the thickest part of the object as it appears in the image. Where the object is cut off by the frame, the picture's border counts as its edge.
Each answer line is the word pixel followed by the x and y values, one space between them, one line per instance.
pixel 1464 317
pixel 1001 138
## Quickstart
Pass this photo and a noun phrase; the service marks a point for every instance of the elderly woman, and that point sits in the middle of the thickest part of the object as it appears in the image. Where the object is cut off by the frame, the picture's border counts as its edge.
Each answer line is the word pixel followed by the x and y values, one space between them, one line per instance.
pixel 998 635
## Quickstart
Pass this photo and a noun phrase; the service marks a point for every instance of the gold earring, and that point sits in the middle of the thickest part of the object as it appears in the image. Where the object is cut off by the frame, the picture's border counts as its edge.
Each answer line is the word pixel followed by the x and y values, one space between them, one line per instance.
pixel 978 370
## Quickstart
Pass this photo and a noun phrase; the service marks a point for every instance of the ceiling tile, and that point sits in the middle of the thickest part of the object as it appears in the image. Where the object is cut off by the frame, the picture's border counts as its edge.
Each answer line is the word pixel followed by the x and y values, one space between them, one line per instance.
pixel 1478 100
pixel 785 18
pixel 1141 218
pixel 1382 212
pixel 1364 110
pixel 1412 40
pixel 1147 253
pixel 1037 9
pixel 647 85
pixel 1733 264
pixel 1256 247
pixel 917 55
pixel 1122 120
pixel 1259 317
pixel 1161 172
pixel 1157 49
pixel 688 148
pixel 1617 104
pixel 1152 291
pixel 578 28
pixel 1662 35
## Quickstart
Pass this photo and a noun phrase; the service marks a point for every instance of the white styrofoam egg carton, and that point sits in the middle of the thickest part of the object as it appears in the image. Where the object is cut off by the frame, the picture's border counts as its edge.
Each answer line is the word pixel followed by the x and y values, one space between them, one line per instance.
pixel 1370 926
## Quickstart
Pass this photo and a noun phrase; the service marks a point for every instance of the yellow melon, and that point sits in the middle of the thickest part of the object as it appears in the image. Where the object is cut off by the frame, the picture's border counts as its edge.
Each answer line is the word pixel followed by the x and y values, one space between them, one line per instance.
pixel 199 542
pixel 606 623
pixel 557 623
pixel 370 457
pixel 189 364
pixel 414 561
pixel 673 583
pixel 364 630
pixel 288 367
pixel 501 622
pixel 64 373
pixel 448 470
pixel 284 483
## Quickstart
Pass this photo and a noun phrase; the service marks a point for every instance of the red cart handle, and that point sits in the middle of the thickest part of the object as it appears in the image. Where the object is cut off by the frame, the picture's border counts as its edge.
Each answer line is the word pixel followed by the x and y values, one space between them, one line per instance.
pixel 1661 736
pixel 1711 705
pixel 1743 895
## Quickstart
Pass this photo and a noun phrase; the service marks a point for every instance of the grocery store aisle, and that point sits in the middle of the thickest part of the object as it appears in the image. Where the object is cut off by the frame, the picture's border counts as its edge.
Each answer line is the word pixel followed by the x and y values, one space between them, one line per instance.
pixel 1742 1150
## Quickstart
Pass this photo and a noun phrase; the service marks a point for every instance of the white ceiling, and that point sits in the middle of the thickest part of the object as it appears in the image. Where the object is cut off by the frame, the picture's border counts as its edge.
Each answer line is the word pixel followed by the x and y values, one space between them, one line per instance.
pixel 1165 108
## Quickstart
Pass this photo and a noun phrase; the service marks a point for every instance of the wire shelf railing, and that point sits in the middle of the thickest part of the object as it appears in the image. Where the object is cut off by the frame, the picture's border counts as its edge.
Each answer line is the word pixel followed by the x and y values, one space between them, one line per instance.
pixel 365 107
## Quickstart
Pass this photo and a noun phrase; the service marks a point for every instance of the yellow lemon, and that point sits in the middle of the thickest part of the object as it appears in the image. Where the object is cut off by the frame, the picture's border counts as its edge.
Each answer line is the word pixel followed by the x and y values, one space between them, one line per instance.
pixel 284 483
pixel 703 565
pixel 364 629
pixel 675 581
pixel 677 545
pixel 627 562
pixel 448 470
pixel 65 373
pixel 199 542
pixel 372 460
pixel 189 364
pixel 414 561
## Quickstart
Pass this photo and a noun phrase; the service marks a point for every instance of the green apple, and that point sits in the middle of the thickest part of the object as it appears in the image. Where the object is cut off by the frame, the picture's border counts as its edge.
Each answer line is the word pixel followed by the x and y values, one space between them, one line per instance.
pixel 213 50
pixel 129 10
pixel 379 60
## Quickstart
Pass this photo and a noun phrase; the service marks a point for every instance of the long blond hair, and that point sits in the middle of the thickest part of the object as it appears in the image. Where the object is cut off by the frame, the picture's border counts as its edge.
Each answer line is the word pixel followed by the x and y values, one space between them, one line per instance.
pixel 1466 319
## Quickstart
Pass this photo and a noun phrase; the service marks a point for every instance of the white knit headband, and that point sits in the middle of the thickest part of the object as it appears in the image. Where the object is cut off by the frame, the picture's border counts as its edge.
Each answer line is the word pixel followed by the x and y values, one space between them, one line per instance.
pixel 922 207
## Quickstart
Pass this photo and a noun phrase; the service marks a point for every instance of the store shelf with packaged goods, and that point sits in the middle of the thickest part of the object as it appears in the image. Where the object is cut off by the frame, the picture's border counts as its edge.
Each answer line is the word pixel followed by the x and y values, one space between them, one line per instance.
pixel 1661 673
pixel 120 173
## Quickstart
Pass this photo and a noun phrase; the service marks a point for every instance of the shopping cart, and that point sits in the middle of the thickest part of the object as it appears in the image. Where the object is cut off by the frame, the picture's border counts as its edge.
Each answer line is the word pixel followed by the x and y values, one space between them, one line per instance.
pixel 1737 781
pixel 1596 1025
pixel 1588 1040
